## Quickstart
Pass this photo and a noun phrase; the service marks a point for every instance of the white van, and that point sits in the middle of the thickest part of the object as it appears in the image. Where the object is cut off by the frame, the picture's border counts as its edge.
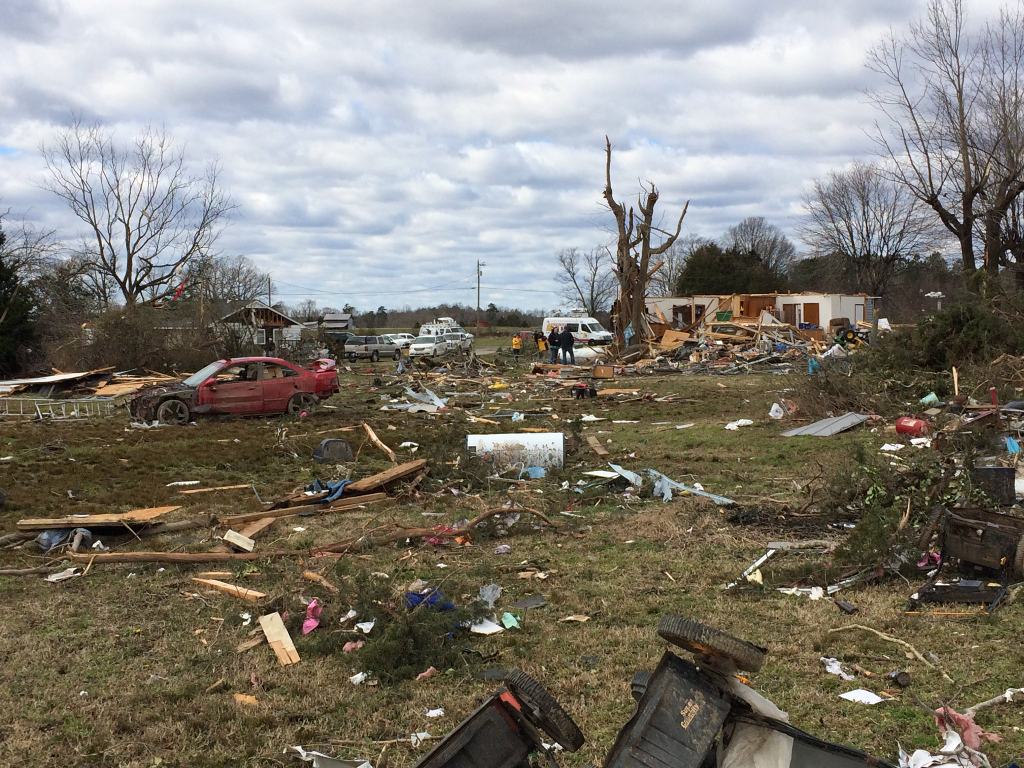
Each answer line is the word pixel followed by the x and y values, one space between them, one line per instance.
pixel 586 330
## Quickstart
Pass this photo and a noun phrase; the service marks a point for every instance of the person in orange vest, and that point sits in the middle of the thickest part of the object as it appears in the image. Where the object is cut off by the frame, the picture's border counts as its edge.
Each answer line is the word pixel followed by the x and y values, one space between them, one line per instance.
pixel 517 346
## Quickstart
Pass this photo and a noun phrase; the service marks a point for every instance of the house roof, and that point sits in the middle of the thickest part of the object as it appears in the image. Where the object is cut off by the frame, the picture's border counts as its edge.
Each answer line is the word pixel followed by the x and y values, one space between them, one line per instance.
pixel 338 317
pixel 235 307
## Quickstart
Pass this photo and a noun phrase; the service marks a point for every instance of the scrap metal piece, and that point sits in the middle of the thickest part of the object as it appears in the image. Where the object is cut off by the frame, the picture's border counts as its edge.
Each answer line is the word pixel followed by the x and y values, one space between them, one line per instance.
pixel 667 483
pixel 829 427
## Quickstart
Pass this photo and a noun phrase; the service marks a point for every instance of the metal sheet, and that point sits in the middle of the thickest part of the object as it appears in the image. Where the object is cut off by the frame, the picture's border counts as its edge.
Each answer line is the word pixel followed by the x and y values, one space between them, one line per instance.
pixel 664 484
pixel 829 427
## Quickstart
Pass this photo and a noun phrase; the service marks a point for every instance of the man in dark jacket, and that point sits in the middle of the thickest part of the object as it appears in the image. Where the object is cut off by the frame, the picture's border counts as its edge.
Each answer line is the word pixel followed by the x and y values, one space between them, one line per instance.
pixel 566 341
pixel 553 343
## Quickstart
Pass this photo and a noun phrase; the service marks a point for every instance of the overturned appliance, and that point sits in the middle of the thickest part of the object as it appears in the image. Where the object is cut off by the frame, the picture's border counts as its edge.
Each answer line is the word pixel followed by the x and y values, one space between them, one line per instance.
pixel 506 729
pixel 684 709
pixel 530 449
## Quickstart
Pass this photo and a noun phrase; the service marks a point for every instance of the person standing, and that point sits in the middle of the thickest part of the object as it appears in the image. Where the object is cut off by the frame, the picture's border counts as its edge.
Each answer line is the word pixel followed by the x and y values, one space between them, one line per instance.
pixel 553 343
pixel 517 346
pixel 566 342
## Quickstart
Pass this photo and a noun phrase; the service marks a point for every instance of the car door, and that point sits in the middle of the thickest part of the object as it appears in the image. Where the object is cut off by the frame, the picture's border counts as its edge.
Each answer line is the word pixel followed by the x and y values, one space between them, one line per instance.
pixel 280 381
pixel 236 388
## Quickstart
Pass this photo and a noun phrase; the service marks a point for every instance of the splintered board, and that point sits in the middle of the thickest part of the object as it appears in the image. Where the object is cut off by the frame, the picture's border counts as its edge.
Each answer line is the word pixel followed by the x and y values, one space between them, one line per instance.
pixel 137 516
pixel 279 639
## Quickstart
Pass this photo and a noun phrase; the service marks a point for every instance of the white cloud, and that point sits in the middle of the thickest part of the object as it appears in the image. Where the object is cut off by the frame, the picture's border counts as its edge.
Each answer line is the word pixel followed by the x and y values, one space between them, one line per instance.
pixel 377 148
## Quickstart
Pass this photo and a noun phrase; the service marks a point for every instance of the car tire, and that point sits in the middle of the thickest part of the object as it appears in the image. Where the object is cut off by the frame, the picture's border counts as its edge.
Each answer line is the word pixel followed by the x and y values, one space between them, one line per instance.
pixel 302 401
pixel 172 411
pixel 397 355
pixel 700 638
pixel 550 717
pixel 374 356
pixel 352 357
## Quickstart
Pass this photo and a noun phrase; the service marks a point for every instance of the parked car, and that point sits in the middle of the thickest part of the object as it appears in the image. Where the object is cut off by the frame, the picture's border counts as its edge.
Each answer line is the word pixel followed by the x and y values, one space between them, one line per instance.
pixel 457 342
pixel 373 347
pixel 403 340
pixel 244 385
pixel 586 330
pixel 428 346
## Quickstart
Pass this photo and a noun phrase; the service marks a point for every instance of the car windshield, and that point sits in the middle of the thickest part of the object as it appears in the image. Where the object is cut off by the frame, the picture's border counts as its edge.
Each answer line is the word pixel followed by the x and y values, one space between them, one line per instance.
pixel 203 374
pixel 424 340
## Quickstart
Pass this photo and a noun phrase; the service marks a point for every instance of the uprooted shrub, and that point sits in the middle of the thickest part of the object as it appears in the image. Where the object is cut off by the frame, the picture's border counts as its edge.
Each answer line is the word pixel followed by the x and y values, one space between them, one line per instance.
pixel 406 639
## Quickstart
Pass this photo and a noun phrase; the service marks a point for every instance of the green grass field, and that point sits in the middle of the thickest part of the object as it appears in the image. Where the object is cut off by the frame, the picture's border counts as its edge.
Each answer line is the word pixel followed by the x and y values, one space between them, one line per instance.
pixel 114 669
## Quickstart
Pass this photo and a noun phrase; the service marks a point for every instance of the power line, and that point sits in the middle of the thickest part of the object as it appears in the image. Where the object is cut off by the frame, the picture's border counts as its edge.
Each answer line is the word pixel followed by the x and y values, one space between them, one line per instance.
pixel 369 293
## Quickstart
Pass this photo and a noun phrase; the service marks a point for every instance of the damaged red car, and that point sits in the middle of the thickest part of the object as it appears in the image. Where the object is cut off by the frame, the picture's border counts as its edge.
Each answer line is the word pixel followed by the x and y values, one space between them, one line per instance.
pixel 242 385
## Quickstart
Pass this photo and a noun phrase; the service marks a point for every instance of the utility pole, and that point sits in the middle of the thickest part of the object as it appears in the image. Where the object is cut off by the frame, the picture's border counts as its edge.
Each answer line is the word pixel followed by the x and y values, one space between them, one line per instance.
pixel 478 273
pixel 270 298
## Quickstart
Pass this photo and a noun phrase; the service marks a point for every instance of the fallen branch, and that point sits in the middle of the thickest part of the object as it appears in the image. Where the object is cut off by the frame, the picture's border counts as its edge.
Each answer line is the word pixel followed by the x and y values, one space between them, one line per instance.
pixel 379 443
pixel 1009 695
pixel 891 639
pixel 24 571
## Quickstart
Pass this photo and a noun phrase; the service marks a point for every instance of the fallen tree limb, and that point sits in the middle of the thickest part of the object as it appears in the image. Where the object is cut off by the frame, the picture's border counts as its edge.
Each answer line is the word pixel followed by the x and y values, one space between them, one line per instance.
pixel 891 639
pixel 1009 695
pixel 379 443
pixel 24 571
pixel 341 504
pixel 786 546
pixel 18 537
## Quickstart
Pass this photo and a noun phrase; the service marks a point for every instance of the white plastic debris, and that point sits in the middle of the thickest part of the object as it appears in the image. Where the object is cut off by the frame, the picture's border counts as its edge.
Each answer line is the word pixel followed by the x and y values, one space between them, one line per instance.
pixel 893 447
pixel 439 712
pixel 366 626
pixel 418 738
pixel 486 627
pixel 835 667
pixel 734 425
pixel 358 678
pixel 861 696
pixel 777 411
pixel 320 760
pixel 68 573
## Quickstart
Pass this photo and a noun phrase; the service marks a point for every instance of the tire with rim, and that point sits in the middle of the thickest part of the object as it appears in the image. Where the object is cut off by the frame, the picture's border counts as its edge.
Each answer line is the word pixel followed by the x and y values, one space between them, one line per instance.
pixel 352 357
pixel 301 401
pixel 543 711
pixel 397 355
pixel 374 356
pixel 700 638
pixel 1018 561
pixel 929 528
pixel 172 411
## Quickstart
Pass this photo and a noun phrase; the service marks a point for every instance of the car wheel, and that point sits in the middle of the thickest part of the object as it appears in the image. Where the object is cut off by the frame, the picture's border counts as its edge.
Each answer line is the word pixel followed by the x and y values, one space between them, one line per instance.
pixel 397 355
pixel 302 401
pixel 172 411
pixel 352 357
pixel 374 356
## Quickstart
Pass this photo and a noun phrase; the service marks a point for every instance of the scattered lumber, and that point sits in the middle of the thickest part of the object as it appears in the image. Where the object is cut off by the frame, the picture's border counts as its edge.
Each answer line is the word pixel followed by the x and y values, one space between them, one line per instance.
pixel 239 541
pixel 387 477
pixel 231 589
pixel 343 503
pixel 135 517
pixel 594 443
pixel 217 488
pixel 279 639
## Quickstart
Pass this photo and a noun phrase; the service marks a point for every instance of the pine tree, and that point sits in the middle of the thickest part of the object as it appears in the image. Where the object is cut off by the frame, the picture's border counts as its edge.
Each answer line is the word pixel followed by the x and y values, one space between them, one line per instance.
pixel 16 308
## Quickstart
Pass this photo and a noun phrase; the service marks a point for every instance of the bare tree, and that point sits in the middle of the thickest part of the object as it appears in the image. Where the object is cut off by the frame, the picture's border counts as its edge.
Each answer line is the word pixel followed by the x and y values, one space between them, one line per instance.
pixel 872 223
pixel 952 109
pixel 227 278
pixel 147 214
pixel 633 252
pixel 586 278
pixel 307 310
pixel 755 235
pixel 27 248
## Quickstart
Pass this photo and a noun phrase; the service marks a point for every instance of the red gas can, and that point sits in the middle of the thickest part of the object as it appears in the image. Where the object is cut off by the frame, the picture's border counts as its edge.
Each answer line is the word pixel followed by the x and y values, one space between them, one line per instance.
pixel 908 425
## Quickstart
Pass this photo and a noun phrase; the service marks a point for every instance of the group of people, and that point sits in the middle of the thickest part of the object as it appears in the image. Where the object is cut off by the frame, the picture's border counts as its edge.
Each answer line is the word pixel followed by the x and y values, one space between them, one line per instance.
pixel 560 338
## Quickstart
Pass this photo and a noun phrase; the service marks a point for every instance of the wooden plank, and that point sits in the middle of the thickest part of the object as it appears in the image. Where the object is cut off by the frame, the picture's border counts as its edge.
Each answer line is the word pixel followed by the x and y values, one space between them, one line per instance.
pixel 136 516
pixel 218 488
pixel 231 589
pixel 316 578
pixel 279 639
pixel 608 392
pixel 254 529
pixel 379 443
pixel 276 514
pixel 239 542
pixel 245 645
pixel 374 482
pixel 596 445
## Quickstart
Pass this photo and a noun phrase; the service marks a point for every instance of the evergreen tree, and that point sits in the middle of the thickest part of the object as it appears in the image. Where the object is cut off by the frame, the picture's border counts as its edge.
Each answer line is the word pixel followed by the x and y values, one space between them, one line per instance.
pixel 16 309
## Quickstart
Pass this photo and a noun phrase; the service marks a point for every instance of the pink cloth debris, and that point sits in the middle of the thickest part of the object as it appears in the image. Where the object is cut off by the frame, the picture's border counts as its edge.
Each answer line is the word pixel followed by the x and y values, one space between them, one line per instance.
pixel 312 616
pixel 424 675
pixel 972 732
pixel 353 645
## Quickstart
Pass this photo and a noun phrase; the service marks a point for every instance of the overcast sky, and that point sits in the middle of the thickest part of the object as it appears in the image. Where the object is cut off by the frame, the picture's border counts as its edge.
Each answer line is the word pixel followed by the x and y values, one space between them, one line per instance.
pixel 376 150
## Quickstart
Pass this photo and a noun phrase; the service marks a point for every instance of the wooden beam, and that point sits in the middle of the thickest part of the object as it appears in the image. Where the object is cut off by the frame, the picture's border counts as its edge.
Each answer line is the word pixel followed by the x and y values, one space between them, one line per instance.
pixel 279 639
pixel 276 514
pixel 136 516
pixel 596 445
pixel 231 589
pixel 382 479
pixel 238 541
pixel 218 488
pixel 379 443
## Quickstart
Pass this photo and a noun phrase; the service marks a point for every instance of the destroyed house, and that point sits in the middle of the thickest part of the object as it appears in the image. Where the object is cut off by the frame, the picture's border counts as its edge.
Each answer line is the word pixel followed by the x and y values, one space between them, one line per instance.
pixel 257 322
pixel 812 312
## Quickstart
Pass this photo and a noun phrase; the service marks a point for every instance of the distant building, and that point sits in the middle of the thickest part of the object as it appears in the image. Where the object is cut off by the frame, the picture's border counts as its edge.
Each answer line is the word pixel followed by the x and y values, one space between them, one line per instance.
pixel 256 321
